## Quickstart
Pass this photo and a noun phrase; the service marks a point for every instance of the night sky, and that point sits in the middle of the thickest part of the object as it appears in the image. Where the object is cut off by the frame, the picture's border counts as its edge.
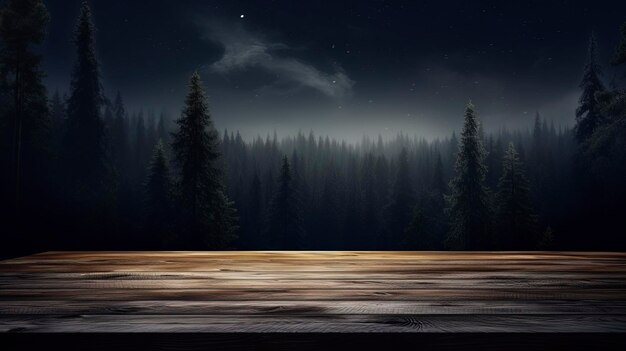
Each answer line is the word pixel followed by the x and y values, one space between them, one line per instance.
pixel 344 68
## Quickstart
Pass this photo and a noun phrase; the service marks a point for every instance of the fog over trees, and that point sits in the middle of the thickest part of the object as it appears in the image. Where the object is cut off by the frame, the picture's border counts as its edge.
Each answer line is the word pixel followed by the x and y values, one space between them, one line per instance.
pixel 78 170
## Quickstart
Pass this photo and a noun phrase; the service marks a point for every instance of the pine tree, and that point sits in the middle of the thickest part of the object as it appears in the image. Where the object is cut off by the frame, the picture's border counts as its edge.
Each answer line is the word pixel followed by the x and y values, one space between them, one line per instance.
pixel 158 204
pixel 22 25
pixel 516 222
pixel 469 202
pixel 588 116
pixel 84 145
pixel 208 218
pixel 284 225
pixel 600 170
pixel 399 210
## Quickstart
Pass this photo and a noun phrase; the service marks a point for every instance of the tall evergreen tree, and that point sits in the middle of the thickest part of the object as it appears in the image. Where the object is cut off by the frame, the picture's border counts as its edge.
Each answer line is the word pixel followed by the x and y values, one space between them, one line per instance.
pixel 158 204
pixel 516 222
pixel 22 26
pixel 588 116
pixel 284 224
pixel 208 218
pixel 600 169
pixel 84 145
pixel 469 208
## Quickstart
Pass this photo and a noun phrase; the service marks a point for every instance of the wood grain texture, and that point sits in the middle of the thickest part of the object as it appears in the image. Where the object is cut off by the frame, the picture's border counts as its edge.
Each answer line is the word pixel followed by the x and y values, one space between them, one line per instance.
pixel 304 292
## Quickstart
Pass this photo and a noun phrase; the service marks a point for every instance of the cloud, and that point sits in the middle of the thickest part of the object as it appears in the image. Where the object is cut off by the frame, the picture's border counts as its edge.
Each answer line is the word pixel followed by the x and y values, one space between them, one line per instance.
pixel 243 50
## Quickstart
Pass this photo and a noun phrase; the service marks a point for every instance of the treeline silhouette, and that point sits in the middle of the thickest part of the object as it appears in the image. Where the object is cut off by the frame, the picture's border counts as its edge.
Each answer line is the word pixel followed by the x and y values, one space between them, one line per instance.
pixel 80 172
pixel 393 194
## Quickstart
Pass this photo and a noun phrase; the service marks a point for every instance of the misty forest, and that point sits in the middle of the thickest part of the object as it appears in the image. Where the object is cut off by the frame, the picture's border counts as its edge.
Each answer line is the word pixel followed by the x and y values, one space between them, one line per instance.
pixel 81 170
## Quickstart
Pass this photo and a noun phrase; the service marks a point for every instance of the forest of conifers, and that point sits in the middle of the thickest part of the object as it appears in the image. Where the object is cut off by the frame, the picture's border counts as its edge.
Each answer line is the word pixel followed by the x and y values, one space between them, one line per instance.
pixel 79 171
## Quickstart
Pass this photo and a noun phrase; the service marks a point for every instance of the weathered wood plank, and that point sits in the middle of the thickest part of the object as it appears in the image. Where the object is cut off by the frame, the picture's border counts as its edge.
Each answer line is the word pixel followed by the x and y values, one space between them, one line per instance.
pixel 314 292
pixel 315 324
pixel 344 284
pixel 371 262
pixel 273 275
pixel 303 267
pixel 186 307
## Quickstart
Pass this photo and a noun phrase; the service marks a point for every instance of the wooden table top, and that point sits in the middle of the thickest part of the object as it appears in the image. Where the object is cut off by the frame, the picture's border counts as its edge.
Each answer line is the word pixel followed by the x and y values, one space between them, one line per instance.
pixel 334 291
